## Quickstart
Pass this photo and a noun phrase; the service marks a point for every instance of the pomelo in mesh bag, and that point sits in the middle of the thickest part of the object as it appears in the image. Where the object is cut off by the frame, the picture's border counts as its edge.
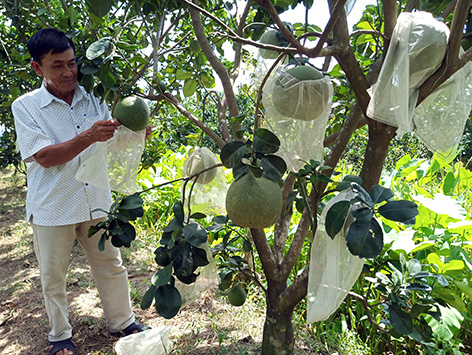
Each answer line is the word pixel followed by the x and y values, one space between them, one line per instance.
pixel 275 38
pixel 132 112
pixel 296 94
pixel 200 159
pixel 254 202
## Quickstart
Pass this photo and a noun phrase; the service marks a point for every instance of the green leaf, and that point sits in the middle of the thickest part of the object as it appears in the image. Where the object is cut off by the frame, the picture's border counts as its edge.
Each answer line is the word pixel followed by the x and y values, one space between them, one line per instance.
pixel 197 215
pixel 265 141
pixel 99 8
pixel 361 194
pixel 173 225
pixel 98 48
pixel 400 319
pixel 106 77
pixel 232 153
pixel 365 239
pixel 148 297
pixel 102 241
pixel 195 234
pixel 379 194
pixel 168 301
pixel 336 217
pixel 449 324
pixel 88 69
pixel 162 276
pixel 183 75
pixel 274 167
pixel 190 87
pixel 399 211
pixel 450 182
pixel 178 210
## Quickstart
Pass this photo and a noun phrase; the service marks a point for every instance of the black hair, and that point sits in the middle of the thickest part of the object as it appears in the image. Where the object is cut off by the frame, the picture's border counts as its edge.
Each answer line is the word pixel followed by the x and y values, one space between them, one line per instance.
pixel 47 40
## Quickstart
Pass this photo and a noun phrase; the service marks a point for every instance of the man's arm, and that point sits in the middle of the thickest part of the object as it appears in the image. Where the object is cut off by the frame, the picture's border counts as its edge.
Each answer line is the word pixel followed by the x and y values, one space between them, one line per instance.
pixel 61 153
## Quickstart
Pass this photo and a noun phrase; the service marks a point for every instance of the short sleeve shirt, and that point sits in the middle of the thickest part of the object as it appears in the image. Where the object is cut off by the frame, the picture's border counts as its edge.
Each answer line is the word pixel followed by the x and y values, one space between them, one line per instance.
pixel 54 196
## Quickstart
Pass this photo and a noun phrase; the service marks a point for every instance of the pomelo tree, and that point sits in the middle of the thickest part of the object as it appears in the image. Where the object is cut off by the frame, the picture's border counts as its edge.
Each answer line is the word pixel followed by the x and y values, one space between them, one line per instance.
pixel 148 48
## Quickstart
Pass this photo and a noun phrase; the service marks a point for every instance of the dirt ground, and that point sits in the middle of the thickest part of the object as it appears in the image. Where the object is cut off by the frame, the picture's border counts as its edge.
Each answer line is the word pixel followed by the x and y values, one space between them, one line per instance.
pixel 209 326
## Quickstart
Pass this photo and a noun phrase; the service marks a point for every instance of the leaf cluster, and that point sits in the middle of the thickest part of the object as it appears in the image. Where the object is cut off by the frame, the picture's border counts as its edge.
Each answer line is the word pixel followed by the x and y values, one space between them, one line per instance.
pixel 179 256
pixel 256 155
pixel 364 235
pixel 117 226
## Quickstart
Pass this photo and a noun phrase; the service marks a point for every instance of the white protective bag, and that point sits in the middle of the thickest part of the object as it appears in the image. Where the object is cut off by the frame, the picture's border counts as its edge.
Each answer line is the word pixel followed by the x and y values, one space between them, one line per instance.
pixel 120 156
pixel 208 197
pixel 302 131
pixel 333 269
pixel 416 51
pixel 150 342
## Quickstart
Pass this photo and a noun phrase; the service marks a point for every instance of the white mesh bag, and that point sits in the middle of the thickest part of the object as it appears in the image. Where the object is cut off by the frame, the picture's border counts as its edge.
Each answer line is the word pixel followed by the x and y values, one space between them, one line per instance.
pixel 207 194
pixel 441 117
pixel 416 50
pixel 120 157
pixel 150 342
pixel 297 112
pixel 333 269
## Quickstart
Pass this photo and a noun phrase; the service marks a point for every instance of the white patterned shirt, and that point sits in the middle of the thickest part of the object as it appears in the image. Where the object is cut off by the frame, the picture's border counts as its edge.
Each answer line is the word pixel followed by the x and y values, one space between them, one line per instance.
pixel 54 196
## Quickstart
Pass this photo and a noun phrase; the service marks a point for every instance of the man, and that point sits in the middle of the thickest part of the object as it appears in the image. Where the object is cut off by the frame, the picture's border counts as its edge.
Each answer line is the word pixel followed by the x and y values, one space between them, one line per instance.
pixel 56 125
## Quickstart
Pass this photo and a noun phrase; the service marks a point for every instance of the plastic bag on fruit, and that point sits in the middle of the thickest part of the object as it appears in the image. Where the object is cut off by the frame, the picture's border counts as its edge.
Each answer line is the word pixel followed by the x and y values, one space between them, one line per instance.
pixel 205 194
pixel 440 119
pixel 120 156
pixel 150 342
pixel 416 50
pixel 333 269
pixel 297 112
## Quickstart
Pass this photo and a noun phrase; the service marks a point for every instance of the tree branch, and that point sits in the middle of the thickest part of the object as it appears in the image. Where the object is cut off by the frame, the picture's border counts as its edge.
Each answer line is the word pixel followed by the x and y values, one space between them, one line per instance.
pixel 269 265
pixel 173 100
pixel 366 307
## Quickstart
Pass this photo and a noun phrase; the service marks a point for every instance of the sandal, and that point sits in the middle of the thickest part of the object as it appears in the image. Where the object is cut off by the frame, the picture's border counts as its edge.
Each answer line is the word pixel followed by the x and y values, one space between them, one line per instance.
pixel 133 328
pixel 65 344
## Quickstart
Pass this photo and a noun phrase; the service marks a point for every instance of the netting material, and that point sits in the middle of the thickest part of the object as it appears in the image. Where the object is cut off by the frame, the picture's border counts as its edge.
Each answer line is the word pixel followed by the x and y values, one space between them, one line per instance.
pixel 416 51
pixel 120 156
pixel 333 269
pixel 297 112
pixel 206 198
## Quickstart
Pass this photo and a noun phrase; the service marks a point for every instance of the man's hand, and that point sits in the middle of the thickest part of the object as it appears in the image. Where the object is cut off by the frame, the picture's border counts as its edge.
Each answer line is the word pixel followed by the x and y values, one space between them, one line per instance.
pixel 102 131
pixel 61 153
pixel 149 130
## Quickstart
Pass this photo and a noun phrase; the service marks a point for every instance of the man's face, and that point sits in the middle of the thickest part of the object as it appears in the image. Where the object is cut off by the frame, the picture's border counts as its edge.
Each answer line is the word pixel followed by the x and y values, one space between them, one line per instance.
pixel 59 71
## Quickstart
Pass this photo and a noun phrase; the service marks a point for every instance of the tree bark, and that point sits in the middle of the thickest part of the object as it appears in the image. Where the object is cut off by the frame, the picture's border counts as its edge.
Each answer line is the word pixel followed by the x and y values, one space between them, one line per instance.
pixel 277 338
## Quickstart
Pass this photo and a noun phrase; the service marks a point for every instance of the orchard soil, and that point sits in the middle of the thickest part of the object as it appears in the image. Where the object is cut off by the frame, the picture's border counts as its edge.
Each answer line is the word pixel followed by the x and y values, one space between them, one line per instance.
pixel 209 326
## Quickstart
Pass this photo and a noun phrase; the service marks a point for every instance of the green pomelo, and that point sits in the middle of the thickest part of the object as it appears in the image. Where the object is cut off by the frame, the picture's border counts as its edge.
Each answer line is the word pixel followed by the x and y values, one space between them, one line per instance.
pixel 427 49
pixel 132 112
pixel 305 72
pixel 270 37
pixel 237 295
pixel 194 46
pixel 297 100
pixel 201 159
pixel 254 202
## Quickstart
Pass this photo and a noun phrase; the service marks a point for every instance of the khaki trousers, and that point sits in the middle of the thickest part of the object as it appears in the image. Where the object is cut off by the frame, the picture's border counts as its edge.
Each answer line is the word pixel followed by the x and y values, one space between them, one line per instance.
pixel 53 246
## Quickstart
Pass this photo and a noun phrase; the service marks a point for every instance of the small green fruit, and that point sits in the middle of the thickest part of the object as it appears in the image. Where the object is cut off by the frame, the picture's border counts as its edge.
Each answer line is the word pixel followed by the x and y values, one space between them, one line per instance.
pixel 132 112
pixel 254 202
pixel 275 38
pixel 237 295
pixel 194 46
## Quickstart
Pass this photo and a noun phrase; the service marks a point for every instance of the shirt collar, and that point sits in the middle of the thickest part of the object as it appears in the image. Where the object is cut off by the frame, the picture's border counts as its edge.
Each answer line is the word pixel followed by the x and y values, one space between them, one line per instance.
pixel 47 97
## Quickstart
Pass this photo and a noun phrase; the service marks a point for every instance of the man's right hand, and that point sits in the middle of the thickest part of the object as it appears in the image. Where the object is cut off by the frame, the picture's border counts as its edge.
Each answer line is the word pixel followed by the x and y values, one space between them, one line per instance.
pixel 102 131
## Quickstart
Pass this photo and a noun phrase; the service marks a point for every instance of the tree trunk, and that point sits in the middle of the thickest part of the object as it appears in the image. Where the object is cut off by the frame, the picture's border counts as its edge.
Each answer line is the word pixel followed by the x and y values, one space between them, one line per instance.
pixel 277 337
